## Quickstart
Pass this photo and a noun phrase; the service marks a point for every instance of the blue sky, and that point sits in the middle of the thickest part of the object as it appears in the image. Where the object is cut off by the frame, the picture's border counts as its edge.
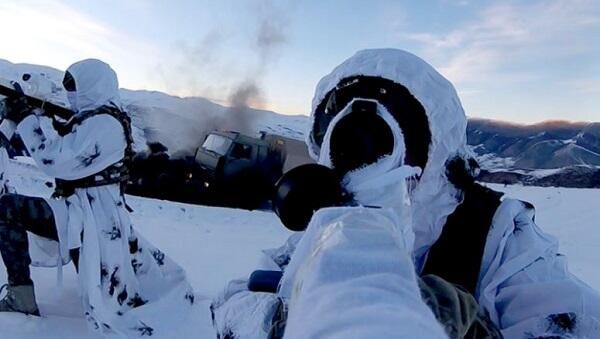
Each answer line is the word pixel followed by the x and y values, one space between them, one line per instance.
pixel 523 61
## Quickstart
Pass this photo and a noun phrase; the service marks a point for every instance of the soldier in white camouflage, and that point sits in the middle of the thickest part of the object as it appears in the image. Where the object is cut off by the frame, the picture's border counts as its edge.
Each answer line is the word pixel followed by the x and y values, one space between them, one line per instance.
pixel 87 219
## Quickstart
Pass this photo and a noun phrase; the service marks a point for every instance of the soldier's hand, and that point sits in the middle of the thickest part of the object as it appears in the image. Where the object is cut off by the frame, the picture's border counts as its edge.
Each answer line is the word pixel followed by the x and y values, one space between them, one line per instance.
pixel 16 109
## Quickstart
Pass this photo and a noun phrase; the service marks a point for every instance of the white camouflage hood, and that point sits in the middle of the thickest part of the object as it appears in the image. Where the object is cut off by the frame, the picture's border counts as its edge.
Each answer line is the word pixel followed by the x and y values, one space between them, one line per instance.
pixel 96 85
pixel 434 197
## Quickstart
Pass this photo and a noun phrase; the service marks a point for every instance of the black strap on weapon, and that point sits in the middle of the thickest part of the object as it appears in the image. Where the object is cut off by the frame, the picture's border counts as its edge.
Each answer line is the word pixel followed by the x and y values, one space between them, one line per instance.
pixel 456 256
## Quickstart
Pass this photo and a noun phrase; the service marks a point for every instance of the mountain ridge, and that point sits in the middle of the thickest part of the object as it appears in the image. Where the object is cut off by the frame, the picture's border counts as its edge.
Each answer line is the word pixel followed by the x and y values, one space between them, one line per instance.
pixel 505 150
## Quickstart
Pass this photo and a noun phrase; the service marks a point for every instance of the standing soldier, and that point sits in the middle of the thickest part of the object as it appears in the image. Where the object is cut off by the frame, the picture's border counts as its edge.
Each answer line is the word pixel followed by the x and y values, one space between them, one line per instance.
pixel 119 271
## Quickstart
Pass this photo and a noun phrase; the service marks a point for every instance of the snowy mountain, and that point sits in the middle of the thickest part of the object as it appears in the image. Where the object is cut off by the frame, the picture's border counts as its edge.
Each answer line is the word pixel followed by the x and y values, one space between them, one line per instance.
pixel 546 145
pixel 555 153
pixel 189 119
pixel 547 154
pixel 179 123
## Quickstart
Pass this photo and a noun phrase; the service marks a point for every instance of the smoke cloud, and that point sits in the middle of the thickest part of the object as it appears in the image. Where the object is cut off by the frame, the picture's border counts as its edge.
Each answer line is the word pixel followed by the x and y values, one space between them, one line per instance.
pixel 271 36
pixel 238 85
pixel 238 117
pixel 272 31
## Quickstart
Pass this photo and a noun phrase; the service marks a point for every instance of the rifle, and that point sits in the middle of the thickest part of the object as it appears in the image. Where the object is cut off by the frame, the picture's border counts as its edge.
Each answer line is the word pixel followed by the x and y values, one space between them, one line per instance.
pixel 49 108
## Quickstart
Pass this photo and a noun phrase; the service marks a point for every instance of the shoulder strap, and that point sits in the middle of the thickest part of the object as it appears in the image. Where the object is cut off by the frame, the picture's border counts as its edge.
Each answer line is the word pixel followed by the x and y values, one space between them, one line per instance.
pixel 125 121
pixel 456 256
pixel 113 111
pixel 67 127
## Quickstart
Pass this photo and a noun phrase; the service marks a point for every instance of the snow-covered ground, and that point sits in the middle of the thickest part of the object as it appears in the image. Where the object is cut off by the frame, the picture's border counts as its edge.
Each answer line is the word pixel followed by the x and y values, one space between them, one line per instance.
pixel 216 245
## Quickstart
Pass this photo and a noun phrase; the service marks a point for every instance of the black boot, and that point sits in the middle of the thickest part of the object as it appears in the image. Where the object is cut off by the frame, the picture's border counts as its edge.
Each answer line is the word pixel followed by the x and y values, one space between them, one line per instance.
pixel 19 298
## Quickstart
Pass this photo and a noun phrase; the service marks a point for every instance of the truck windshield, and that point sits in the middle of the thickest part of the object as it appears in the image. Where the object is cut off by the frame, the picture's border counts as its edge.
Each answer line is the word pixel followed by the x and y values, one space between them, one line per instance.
pixel 217 144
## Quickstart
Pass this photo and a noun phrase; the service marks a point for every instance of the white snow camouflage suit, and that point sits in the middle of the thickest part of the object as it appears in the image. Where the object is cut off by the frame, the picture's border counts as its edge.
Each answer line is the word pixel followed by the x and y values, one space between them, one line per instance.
pixel 524 284
pixel 127 285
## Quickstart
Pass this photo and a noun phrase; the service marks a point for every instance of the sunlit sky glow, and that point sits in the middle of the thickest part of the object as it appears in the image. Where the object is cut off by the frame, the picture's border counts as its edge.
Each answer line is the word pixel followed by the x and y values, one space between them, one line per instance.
pixel 523 61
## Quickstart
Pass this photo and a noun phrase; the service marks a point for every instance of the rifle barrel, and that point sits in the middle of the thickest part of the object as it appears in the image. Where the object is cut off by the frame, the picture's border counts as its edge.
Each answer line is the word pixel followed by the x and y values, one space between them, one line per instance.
pixel 48 107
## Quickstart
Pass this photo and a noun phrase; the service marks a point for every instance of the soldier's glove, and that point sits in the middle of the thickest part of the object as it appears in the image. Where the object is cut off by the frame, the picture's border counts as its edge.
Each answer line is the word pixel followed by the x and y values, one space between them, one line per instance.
pixel 16 109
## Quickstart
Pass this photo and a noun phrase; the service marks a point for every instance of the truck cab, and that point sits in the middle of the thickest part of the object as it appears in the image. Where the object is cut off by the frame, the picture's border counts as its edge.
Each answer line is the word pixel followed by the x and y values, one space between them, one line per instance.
pixel 238 167
pixel 228 169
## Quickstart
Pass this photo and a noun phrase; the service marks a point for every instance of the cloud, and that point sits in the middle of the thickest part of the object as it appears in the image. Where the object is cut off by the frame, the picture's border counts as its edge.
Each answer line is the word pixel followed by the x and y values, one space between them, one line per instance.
pixel 457 2
pixel 396 17
pixel 585 86
pixel 504 36
pixel 53 33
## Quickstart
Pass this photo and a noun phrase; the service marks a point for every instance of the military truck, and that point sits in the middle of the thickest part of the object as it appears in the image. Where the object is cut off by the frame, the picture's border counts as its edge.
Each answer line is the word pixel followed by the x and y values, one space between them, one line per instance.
pixel 240 170
pixel 228 169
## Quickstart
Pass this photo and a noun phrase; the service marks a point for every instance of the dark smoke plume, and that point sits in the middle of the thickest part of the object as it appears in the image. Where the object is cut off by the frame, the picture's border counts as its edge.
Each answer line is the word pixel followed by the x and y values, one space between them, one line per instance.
pixel 271 35
pixel 206 59
pixel 238 117
pixel 272 31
